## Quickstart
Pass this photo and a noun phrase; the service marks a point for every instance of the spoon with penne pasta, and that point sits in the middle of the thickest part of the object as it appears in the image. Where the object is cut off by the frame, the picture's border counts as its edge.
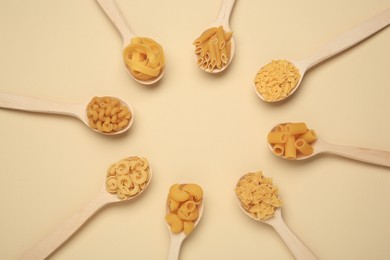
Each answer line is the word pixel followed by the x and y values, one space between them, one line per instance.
pixel 279 79
pixel 215 47
pixel 295 141
pixel 263 204
pixel 125 180
pixel 105 115
pixel 143 57
pixel 184 209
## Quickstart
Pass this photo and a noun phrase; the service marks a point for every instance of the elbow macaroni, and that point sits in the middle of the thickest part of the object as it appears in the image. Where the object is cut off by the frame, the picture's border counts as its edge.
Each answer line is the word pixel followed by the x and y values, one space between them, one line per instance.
pixel 212 48
pixel 276 80
pixel 258 195
pixel 128 177
pixel 297 140
pixel 183 203
pixel 144 58
pixel 106 114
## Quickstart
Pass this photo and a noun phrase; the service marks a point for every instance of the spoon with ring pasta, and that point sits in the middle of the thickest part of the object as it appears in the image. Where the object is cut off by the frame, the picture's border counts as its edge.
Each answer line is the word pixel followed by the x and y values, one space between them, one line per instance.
pixel 176 240
pixel 62 233
pixel 340 44
pixel 38 105
pixel 294 244
pixel 223 20
pixel 111 10
pixel 367 155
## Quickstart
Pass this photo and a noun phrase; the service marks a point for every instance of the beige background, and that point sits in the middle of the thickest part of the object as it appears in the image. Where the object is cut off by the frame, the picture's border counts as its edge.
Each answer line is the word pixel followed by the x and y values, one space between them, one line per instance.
pixel 193 127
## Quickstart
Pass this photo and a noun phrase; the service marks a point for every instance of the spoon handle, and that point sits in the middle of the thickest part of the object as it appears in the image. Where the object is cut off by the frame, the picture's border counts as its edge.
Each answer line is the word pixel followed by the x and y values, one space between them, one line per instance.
pixel 33 104
pixel 62 233
pixel 297 248
pixel 225 13
pixel 367 155
pixel 174 246
pixel 112 11
pixel 350 38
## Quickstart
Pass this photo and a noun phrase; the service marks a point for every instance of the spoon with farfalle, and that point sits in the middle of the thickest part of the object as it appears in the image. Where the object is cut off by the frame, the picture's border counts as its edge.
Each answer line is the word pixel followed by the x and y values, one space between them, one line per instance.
pixel 258 198
pixel 279 79
pixel 295 141
pixel 105 115
pixel 215 47
pixel 125 181
pixel 143 57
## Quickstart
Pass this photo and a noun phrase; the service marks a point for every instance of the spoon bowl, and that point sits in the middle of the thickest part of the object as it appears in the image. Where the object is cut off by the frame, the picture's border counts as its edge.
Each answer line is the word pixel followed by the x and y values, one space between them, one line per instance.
pixel 367 155
pixel 223 20
pixel 176 240
pixel 62 233
pixel 113 13
pixel 345 41
pixel 295 245
pixel 38 105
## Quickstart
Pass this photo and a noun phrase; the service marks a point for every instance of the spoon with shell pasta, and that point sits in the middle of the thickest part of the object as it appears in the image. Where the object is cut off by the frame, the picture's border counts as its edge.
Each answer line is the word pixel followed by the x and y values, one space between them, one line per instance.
pixel 295 141
pixel 279 79
pixel 105 115
pixel 143 57
pixel 183 212
pixel 264 205
pixel 125 181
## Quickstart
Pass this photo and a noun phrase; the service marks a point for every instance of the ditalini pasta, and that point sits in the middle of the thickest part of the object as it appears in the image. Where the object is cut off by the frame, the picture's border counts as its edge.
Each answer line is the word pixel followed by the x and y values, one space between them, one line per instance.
pixel 258 195
pixel 144 58
pixel 297 140
pixel 107 114
pixel 212 48
pixel 128 177
pixel 183 202
pixel 276 80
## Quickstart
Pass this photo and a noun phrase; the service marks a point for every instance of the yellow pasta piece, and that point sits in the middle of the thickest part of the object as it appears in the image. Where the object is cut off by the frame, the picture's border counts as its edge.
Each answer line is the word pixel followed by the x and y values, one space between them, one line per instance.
pixel 304 147
pixel 310 136
pixel 277 137
pixel 296 128
pixel 290 151
pixel 278 149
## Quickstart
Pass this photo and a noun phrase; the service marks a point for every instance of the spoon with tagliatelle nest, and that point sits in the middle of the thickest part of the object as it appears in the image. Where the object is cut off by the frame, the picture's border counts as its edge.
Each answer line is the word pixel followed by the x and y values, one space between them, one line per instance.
pixel 143 57
pixel 290 73
pixel 307 144
pixel 125 181
pixel 267 210
pixel 79 111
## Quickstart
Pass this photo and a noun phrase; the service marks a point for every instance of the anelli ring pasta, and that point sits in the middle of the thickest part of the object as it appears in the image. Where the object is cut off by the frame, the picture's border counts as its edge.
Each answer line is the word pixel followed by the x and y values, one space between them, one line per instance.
pixel 144 58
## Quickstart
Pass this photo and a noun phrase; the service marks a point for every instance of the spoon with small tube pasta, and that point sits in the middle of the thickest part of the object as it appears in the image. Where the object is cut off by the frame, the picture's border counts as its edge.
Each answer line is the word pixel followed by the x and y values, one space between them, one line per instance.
pixel 338 45
pixel 111 10
pixel 294 244
pixel 38 105
pixel 223 20
pixel 62 233
pixel 367 155
pixel 176 239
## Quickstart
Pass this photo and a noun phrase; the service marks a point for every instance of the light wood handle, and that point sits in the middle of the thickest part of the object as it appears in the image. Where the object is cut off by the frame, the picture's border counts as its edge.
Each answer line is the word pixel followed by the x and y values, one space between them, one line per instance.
pixel 174 246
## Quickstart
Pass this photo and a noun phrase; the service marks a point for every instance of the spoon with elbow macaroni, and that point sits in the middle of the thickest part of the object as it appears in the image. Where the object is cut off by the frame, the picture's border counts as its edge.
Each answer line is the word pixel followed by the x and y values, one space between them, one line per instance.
pixel 183 212
pixel 215 47
pixel 295 141
pixel 105 115
pixel 125 181
pixel 279 79
pixel 143 57
pixel 263 205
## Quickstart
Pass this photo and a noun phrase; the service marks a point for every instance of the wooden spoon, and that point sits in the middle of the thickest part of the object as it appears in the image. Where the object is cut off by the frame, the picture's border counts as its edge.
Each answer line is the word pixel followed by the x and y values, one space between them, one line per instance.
pixel 110 8
pixel 366 155
pixel 341 43
pixel 223 19
pixel 62 233
pixel 176 240
pixel 39 105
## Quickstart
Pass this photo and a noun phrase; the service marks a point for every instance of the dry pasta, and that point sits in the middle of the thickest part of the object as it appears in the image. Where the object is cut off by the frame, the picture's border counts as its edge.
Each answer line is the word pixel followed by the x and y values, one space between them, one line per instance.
pixel 107 114
pixel 258 195
pixel 276 80
pixel 292 140
pixel 144 58
pixel 212 48
pixel 183 203
pixel 128 177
